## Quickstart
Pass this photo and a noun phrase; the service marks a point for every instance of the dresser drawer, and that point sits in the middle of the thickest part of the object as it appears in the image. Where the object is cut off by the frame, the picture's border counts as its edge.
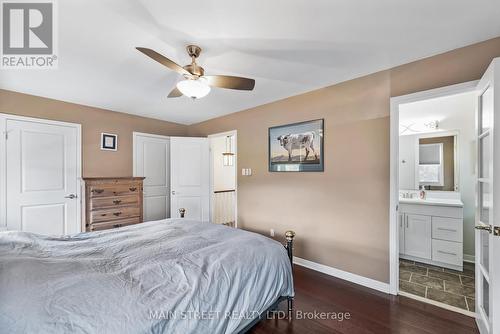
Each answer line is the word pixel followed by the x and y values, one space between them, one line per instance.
pixel 447 252
pixel 113 214
pixel 113 190
pixel 449 229
pixel 114 224
pixel 110 202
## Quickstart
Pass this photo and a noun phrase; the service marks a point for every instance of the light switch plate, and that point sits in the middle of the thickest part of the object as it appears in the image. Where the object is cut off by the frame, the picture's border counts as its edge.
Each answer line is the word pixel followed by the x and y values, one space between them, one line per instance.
pixel 246 171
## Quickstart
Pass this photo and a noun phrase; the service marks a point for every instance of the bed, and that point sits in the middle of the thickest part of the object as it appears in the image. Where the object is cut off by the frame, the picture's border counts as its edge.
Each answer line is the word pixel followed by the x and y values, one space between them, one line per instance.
pixel 168 276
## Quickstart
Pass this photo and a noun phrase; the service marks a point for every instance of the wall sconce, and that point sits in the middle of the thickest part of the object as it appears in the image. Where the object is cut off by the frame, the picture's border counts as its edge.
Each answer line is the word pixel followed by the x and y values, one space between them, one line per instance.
pixel 228 156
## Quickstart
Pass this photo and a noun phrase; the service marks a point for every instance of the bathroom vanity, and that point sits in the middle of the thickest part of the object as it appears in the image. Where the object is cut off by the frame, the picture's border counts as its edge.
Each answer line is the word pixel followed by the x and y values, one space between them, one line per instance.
pixel 431 231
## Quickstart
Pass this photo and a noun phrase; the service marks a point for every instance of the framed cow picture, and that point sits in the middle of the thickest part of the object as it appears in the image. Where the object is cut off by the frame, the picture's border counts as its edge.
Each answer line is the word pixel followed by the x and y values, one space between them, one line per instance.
pixel 296 147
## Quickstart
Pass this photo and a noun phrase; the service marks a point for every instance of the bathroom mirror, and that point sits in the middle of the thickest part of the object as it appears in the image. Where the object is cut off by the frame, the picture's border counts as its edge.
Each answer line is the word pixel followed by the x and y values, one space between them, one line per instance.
pixel 428 160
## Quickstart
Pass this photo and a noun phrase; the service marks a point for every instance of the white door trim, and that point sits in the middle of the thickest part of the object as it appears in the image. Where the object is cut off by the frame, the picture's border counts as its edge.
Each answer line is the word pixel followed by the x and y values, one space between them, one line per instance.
pixel 3 168
pixel 211 184
pixel 394 167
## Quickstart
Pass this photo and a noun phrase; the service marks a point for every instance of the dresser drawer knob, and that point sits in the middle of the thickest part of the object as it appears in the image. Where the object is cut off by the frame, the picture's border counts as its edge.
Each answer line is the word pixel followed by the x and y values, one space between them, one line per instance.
pixel 97 191
pixel 117 225
pixel 117 201
pixel 117 213
pixel 132 188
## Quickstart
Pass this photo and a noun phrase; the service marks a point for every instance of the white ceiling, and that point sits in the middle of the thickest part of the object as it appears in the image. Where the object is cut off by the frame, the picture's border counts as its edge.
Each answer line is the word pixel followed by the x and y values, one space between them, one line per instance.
pixel 454 112
pixel 287 46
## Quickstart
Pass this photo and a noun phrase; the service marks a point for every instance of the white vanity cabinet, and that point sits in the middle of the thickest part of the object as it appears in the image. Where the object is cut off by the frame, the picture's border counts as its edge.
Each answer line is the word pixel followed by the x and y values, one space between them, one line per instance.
pixel 432 232
pixel 418 236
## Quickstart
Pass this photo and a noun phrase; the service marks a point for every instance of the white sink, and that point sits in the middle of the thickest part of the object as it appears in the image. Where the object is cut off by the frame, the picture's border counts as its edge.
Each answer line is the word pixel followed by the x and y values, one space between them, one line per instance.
pixel 433 201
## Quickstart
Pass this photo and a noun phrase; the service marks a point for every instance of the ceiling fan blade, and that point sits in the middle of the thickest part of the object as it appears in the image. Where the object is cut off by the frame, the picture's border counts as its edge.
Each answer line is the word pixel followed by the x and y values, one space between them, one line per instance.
pixel 175 93
pixel 230 82
pixel 163 60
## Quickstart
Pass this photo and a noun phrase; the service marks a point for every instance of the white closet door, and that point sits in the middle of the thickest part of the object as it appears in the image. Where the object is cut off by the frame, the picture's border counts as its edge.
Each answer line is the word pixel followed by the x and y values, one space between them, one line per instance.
pixel 152 162
pixel 189 167
pixel 42 177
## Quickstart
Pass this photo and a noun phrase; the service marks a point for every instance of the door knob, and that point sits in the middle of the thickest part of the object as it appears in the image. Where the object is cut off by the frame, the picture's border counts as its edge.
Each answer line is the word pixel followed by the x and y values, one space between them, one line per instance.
pixel 71 196
pixel 483 228
pixel 182 212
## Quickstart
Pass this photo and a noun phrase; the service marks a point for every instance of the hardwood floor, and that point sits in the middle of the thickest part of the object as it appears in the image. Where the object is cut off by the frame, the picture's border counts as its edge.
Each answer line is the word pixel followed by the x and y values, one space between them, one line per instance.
pixel 370 311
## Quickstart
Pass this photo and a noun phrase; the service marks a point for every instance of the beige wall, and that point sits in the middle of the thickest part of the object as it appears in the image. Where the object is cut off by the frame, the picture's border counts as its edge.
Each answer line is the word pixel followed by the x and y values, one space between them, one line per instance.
pixel 341 216
pixel 94 121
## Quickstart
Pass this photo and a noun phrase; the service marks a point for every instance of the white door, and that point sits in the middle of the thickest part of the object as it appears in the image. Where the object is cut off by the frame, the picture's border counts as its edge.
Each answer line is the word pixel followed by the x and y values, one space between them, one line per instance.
pixel 189 175
pixel 487 237
pixel 152 160
pixel 42 177
pixel 418 236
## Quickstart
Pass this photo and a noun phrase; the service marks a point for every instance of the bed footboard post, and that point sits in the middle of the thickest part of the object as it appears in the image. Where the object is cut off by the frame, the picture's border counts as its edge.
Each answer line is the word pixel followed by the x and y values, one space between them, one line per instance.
pixel 289 235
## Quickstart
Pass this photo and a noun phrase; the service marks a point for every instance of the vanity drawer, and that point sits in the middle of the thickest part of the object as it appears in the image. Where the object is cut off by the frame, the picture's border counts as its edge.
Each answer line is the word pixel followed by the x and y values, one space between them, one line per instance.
pixel 449 229
pixel 447 252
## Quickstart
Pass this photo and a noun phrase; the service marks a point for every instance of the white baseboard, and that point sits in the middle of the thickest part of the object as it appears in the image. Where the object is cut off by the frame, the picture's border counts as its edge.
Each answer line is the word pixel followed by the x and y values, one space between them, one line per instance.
pixel 469 258
pixel 347 276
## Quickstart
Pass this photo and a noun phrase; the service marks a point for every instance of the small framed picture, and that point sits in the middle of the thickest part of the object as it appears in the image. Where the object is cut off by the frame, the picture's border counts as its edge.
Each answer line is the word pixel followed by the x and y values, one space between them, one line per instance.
pixel 109 142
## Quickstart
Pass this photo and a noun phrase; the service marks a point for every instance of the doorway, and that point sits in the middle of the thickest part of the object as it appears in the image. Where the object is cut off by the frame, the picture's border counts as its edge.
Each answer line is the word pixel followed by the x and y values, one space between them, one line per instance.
pixel 189 178
pixel 176 172
pixel 223 178
pixel 486 192
pixel 40 170
pixel 435 196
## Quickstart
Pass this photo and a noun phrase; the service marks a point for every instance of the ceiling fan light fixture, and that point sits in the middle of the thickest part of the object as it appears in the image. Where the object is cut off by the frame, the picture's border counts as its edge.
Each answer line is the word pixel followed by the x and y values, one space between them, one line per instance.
pixel 194 88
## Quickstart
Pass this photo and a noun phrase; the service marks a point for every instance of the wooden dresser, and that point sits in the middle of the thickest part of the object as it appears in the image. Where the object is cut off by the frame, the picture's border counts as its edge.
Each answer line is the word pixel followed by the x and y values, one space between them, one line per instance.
pixel 112 202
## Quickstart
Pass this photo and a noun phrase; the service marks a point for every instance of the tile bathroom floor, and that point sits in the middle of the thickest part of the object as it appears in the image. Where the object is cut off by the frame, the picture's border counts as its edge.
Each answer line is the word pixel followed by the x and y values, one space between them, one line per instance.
pixel 443 285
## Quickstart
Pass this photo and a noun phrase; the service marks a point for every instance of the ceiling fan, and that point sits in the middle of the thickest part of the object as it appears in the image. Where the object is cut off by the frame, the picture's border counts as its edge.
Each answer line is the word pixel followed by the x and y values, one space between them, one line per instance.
pixel 196 84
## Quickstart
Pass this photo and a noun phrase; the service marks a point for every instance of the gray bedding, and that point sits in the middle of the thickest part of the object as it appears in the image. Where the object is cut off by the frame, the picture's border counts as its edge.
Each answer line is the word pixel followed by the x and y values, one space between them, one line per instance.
pixel 169 276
